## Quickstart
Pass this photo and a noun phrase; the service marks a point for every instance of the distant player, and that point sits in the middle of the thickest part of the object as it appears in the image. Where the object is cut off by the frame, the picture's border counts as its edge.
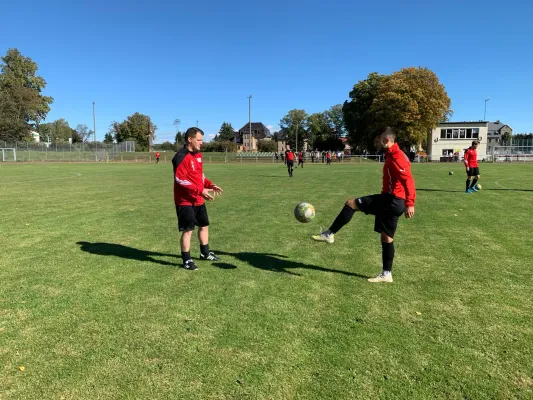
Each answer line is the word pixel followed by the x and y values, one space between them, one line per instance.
pixel 191 189
pixel 301 159
pixel 157 157
pixel 397 197
pixel 289 156
pixel 472 167
pixel 328 157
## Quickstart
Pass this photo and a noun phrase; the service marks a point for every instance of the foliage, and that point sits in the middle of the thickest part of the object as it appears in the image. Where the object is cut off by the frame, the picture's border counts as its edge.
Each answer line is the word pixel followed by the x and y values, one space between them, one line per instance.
pixel 294 125
pixel 266 145
pixel 22 106
pixel 219 146
pixel 179 140
pixel 226 133
pixel 411 100
pixel 108 138
pixel 58 131
pixel 84 132
pixel 167 146
pixel 137 127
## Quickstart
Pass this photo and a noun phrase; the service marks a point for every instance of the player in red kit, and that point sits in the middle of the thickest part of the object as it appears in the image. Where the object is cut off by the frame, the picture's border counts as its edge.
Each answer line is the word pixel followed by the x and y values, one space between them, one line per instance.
pixel 301 159
pixel 396 198
pixel 472 167
pixel 191 189
pixel 157 157
pixel 289 157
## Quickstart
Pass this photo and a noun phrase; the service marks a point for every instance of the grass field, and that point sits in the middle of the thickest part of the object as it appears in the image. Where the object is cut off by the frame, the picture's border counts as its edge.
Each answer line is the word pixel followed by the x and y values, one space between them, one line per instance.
pixel 93 303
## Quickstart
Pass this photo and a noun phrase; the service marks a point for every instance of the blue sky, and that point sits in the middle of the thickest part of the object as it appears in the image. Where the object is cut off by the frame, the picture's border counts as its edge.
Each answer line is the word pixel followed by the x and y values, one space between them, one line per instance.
pixel 200 60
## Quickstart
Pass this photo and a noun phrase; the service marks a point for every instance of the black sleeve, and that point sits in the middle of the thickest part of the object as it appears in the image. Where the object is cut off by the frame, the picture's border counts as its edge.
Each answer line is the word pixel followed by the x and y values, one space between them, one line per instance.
pixel 178 158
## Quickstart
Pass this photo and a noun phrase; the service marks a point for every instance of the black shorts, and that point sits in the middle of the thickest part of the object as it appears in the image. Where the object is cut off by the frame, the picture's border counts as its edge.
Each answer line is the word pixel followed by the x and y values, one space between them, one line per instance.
pixel 290 163
pixel 473 171
pixel 191 216
pixel 387 209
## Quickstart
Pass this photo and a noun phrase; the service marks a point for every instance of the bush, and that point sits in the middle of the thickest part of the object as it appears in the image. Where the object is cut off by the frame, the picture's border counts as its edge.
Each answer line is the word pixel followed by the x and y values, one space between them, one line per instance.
pixel 167 146
pixel 219 146
pixel 268 146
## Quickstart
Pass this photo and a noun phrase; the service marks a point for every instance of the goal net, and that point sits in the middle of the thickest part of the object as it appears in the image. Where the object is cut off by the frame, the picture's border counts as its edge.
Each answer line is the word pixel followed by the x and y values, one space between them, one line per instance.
pixel 8 154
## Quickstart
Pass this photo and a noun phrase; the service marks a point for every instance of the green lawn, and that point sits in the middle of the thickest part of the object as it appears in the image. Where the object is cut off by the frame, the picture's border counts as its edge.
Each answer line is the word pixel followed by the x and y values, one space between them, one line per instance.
pixel 280 317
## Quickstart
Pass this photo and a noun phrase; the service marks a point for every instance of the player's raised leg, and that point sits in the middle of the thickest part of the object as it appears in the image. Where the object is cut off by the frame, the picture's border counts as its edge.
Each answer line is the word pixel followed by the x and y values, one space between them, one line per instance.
pixel 345 216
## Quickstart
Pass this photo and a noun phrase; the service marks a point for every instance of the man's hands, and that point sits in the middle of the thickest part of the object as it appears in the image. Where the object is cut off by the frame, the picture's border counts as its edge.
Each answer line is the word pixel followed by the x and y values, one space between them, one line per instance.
pixel 209 194
pixel 410 212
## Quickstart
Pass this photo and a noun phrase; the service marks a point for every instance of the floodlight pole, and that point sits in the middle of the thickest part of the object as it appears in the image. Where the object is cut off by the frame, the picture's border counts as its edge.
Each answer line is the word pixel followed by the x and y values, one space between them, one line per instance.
pixel 485 113
pixel 250 117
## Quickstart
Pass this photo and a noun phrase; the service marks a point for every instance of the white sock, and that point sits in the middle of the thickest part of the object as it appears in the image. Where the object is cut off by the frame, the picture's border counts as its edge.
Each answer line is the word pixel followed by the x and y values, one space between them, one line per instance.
pixel 386 273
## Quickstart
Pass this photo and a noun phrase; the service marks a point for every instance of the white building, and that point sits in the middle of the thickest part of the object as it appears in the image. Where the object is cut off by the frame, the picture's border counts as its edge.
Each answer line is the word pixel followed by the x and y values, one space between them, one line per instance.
pixel 449 138
pixel 35 135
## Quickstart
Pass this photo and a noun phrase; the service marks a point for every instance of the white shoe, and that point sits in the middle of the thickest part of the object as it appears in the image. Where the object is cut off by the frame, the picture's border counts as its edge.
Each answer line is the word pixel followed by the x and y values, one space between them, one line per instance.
pixel 324 237
pixel 381 278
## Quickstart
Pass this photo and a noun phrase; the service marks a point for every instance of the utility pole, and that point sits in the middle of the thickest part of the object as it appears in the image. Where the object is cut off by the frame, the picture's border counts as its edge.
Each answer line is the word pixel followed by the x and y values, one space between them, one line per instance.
pixel 250 117
pixel 485 114
pixel 94 122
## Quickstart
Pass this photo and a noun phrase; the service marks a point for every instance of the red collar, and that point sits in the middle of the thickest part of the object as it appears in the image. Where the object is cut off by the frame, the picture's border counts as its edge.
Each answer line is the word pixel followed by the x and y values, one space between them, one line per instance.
pixel 393 149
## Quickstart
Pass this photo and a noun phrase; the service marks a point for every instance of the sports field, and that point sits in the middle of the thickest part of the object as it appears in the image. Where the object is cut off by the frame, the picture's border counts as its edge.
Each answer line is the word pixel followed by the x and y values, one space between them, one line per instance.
pixel 94 305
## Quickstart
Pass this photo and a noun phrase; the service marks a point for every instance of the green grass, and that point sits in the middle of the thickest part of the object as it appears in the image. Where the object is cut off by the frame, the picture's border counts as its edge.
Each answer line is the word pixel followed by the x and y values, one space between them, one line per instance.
pixel 280 317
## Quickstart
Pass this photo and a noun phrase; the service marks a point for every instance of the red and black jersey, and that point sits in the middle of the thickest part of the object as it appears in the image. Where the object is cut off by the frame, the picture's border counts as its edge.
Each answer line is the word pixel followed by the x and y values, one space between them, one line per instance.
pixel 397 178
pixel 289 155
pixel 328 155
pixel 189 179
pixel 157 155
pixel 471 158
pixel 300 156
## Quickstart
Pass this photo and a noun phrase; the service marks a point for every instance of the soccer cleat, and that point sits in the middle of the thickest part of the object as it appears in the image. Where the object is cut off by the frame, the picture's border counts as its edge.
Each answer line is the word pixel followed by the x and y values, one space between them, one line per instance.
pixel 190 265
pixel 323 237
pixel 381 278
pixel 209 257
pixel 468 191
pixel 473 189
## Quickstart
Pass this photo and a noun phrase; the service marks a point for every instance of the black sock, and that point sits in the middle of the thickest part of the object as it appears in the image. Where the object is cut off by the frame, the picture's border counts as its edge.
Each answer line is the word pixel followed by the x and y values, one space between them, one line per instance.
pixel 342 219
pixel 204 249
pixel 387 253
pixel 185 256
pixel 468 181
pixel 474 183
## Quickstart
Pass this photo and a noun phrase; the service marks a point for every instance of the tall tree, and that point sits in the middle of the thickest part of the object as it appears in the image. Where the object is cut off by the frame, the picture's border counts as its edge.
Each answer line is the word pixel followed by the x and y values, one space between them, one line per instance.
pixel 295 123
pixel 336 120
pixel 58 131
pixel 226 133
pixel 413 101
pixel 359 119
pixel 318 128
pixel 108 138
pixel 179 140
pixel 22 106
pixel 84 132
pixel 136 127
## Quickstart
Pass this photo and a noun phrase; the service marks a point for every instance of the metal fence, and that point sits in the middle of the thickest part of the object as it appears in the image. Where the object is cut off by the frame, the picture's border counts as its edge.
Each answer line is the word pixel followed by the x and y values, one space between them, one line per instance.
pixel 68 152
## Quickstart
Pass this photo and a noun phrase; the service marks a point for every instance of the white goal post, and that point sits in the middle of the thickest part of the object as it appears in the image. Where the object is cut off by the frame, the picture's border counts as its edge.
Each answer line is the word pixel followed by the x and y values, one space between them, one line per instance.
pixel 9 154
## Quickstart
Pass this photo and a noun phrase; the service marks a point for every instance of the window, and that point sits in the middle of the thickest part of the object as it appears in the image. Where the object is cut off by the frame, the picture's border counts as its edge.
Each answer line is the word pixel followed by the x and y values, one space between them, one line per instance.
pixel 448 133
pixel 462 133
pixel 443 133
pixel 456 133
pixel 469 133
pixel 447 152
pixel 475 133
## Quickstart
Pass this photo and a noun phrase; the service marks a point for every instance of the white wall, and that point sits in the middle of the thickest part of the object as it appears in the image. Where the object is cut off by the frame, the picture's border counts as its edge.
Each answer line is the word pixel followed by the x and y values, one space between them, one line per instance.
pixel 436 145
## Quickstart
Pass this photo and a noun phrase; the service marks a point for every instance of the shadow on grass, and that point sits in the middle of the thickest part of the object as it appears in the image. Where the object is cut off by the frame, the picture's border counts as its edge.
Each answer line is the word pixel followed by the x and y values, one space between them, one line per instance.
pixel 118 250
pixel 278 263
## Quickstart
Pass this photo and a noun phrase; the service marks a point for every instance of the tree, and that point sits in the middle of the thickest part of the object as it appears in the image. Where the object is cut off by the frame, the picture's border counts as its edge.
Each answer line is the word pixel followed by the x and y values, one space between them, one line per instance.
pixel 84 132
pixel 136 127
pixel 108 138
pixel 166 146
pixel 266 145
pixel 58 131
pixel 21 104
pixel 359 120
pixel 318 128
pixel 295 123
pixel 226 133
pixel 179 140
pixel 335 118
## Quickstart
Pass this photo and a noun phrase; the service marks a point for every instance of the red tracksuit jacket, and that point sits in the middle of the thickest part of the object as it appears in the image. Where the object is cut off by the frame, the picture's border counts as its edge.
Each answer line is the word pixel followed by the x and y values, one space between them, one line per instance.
pixel 471 158
pixel 189 179
pixel 397 178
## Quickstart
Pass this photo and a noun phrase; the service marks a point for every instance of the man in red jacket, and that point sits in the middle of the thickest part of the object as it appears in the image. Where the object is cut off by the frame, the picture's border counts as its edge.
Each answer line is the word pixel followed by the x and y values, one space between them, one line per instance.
pixel 191 189
pixel 157 157
pixel 472 167
pixel 396 198
pixel 289 157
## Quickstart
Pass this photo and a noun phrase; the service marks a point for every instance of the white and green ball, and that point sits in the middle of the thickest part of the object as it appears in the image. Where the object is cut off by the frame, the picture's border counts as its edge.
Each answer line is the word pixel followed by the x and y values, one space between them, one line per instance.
pixel 478 186
pixel 304 212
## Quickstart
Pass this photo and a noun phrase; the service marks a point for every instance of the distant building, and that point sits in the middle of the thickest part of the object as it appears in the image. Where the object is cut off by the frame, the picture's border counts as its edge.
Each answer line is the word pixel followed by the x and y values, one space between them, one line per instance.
pixel 248 142
pixel 496 131
pixel 449 138
pixel 35 135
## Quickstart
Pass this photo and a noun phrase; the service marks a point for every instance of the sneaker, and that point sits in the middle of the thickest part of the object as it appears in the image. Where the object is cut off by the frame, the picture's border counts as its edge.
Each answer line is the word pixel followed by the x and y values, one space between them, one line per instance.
pixel 190 265
pixel 473 189
pixel 209 257
pixel 381 278
pixel 324 237
pixel 468 191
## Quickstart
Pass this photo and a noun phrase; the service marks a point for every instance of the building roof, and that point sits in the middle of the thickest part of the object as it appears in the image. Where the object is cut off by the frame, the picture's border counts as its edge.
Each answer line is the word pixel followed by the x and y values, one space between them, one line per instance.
pixel 463 123
pixel 256 126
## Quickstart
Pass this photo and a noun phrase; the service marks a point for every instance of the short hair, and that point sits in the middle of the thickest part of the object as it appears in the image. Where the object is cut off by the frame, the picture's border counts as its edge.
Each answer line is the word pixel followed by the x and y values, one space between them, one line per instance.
pixel 388 132
pixel 475 142
pixel 191 132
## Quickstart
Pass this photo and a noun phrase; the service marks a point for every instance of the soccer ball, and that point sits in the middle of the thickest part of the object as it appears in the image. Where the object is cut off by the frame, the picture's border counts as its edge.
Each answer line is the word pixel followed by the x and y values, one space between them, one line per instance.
pixel 450 173
pixel 478 186
pixel 304 212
